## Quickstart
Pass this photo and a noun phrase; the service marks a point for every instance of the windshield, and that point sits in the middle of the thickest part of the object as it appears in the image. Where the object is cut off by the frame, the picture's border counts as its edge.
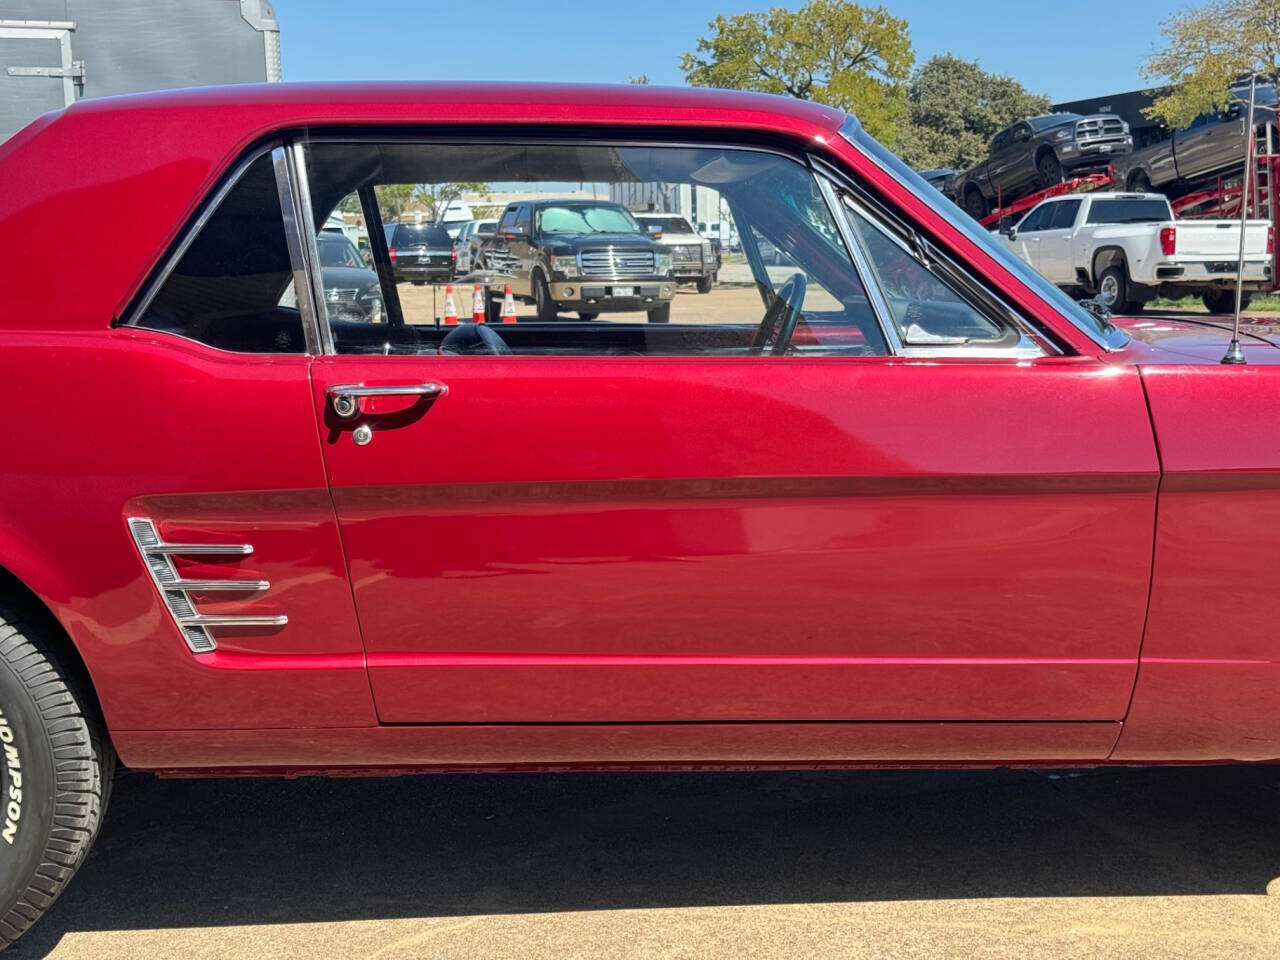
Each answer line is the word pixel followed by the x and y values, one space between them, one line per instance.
pixel 1104 334
pixel 337 251
pixel 1130 211
pixel 587 218
pixel 1051 120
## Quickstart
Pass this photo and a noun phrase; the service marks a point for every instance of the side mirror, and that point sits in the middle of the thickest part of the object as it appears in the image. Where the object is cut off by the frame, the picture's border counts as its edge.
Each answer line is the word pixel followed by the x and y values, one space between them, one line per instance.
pixel 1008 229
pixel 514 232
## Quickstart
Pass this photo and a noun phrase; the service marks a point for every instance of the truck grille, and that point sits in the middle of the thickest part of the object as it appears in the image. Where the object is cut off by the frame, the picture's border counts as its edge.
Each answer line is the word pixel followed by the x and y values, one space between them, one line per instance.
pixel 687 253
pixel 1100 128
pixel 616 263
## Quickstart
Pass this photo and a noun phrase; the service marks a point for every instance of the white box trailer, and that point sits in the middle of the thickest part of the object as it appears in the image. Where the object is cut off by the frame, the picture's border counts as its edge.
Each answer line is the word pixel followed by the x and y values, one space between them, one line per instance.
pixel 54 52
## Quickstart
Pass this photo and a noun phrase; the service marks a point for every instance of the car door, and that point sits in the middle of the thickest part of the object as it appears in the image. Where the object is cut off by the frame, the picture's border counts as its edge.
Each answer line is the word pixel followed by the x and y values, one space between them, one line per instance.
pixel 703 521
pixel 498 253
pixel 1026 239
pixel 1055 261
pixel 1206 142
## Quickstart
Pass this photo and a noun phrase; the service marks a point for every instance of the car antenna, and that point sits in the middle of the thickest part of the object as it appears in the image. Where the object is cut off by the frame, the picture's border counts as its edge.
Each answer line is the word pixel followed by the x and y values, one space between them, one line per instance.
pixel 1234 354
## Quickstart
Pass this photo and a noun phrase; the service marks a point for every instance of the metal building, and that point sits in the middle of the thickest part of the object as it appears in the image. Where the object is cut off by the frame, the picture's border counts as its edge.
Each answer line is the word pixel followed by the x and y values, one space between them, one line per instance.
pixel 53 52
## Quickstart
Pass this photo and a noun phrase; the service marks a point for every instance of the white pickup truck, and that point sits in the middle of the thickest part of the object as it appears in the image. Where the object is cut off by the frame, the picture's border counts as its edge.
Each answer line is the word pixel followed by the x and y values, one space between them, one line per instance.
pixel 1130 247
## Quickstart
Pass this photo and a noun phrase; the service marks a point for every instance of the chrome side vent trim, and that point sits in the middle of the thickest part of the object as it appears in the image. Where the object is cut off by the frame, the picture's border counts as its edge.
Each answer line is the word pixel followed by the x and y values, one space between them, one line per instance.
pixel 157 557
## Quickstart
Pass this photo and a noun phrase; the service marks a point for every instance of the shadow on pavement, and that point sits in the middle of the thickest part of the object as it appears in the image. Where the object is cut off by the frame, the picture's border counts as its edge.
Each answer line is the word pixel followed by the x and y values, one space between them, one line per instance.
pixel 211 853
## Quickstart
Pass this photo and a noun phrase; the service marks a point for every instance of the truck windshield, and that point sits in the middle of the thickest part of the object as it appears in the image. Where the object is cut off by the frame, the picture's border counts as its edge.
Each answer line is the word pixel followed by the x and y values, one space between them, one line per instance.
pixel 670 224
pixel 587 218
pixel 1104 334
pixel 1121 210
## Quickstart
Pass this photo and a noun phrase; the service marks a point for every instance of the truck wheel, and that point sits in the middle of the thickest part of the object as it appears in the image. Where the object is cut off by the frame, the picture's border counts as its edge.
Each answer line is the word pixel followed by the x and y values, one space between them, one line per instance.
pixel 661 314
pixel 55 776
pixel 1114 281
pixel 1050 169
pixel 704 284
pixel 542 301
pixel 1224 301
pixel 975 204
pixel 1139 182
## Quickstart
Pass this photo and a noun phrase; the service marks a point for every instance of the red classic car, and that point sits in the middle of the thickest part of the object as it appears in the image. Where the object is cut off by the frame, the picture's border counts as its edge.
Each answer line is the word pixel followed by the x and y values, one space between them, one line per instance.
pixel 892 498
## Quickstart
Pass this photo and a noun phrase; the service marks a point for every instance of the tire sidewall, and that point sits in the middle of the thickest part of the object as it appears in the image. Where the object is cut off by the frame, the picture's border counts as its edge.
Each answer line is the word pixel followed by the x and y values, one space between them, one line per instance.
pixel 29 784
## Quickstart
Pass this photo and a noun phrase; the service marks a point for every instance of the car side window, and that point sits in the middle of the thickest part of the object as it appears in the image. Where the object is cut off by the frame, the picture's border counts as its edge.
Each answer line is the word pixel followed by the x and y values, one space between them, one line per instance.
pixel 1064 215
pixel 925 304
pixel 587 277
pixel 1037 219
pixel 232 286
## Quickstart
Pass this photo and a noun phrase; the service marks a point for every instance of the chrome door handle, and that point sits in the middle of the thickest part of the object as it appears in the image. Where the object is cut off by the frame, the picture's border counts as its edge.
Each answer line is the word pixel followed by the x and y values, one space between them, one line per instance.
pixel 346 397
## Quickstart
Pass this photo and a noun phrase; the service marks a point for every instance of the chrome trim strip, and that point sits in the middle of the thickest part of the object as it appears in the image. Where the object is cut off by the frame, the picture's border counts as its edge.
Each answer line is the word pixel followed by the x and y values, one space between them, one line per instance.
pixel 209 620
pixel 884 316
pixel 175 591
pixel 211 586
pixel 310 249
pixel 302 288
pixel 202 549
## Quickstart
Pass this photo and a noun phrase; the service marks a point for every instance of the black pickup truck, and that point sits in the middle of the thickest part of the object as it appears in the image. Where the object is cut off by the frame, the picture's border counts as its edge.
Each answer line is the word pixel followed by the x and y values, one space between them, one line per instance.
pixel 1213 144
pixel 588 256
pixel 1038 152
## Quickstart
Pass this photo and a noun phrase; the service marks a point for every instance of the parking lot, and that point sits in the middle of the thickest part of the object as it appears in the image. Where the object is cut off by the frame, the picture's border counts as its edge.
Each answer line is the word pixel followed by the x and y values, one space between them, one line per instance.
pixel 1005 863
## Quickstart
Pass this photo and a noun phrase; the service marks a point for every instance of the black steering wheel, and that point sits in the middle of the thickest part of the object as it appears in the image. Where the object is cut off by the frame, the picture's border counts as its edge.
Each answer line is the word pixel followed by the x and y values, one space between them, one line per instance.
pixel 780 320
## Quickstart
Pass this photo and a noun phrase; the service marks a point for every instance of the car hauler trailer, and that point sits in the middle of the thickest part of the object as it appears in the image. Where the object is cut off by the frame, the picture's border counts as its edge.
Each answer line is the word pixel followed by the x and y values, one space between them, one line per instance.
pixel 54 52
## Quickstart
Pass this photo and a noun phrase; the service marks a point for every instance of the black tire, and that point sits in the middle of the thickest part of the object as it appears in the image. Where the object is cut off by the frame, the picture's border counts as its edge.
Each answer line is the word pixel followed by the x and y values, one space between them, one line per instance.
pixel 1115 278
pixel 705 284
pixel 661 314
pixel 975 204
pixel 1049 168
pixel 1138 182
pixel 1224 301
pixel 587 316
pixel 546 307
pixel 53 741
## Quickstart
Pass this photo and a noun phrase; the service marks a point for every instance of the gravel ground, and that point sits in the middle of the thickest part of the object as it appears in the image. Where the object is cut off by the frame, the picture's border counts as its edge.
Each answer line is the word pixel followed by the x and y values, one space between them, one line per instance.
pixel 1112 863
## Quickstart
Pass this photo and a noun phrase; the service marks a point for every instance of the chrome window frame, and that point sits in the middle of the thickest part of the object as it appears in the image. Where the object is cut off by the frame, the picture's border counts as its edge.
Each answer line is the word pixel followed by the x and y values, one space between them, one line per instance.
pixel 287 191
pixel 1115 339
pixel 1030 346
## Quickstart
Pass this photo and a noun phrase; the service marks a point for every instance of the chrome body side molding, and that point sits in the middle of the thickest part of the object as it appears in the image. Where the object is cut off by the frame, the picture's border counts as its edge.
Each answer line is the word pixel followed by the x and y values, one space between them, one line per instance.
pixel 157 557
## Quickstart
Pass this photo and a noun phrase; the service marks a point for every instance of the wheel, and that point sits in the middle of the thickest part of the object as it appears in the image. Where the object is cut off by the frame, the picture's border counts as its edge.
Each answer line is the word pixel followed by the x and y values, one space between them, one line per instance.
pixel 1139 182
pixel 55 775
pixel 705 284
pixel 587 316
pixel 1050 169
pixel 546 307
pixel 661 314
pixel 1113 283
pixel 1224 301
pixel 975 204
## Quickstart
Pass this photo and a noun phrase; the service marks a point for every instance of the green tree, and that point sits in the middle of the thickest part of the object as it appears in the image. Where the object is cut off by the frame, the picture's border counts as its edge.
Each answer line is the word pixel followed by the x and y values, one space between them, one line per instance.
pixel 436 197
pixel 954 108
pixel 393 199
pixel 849 56
pixel 1206 50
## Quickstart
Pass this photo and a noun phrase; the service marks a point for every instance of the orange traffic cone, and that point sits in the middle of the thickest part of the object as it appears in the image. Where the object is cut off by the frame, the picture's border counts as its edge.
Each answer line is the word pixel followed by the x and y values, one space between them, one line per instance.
pixel 450 308
pixel 477 306
pixel 508 307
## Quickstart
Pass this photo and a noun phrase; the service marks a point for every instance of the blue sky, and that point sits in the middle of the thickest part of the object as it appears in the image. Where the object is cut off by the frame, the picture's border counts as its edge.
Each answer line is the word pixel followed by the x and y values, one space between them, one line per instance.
pixel 1083 49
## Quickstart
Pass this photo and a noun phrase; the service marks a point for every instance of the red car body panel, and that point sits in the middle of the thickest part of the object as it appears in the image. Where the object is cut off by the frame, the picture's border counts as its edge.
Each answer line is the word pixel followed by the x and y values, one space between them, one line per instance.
pixel 592 539
pixel 601 561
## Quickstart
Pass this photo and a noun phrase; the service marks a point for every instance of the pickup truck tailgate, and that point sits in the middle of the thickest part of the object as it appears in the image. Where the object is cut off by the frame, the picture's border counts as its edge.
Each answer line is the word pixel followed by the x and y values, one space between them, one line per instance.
pixel 1203 239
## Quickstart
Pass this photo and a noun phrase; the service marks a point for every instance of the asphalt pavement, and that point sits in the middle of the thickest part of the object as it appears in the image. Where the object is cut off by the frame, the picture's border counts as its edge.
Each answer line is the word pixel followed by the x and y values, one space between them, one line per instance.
pixel 1007 863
